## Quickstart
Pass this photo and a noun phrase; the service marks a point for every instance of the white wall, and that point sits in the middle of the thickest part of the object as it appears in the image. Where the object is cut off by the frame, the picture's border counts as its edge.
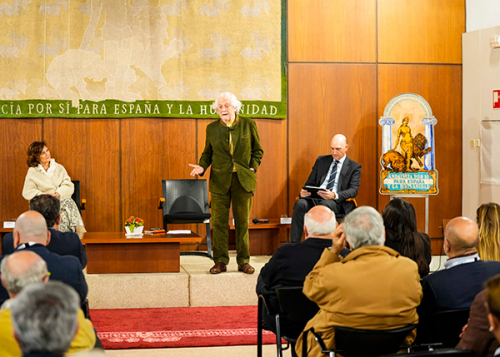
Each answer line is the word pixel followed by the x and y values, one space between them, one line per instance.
pixel 481 75
pixel 482 14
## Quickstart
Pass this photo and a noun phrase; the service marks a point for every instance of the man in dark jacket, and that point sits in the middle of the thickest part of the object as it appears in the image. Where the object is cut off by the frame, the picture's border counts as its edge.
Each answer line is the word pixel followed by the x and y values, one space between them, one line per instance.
pixel 62 243
pixel 291 263
pixel 339 178
pixel 31 234
pixel 456 286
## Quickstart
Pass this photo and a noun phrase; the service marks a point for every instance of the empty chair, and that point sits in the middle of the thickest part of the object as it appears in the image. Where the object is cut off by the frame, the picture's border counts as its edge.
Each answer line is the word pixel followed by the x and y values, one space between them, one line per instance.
pixel 186 201
pixel 296 311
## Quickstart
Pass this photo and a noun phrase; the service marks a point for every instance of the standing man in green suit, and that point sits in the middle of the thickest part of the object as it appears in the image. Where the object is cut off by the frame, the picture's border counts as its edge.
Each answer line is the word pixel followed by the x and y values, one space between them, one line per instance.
pixel 233 149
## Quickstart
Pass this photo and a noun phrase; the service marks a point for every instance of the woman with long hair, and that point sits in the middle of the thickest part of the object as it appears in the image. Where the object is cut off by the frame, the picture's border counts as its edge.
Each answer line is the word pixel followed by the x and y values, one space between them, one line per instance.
pixel 402 235
pixel 488 221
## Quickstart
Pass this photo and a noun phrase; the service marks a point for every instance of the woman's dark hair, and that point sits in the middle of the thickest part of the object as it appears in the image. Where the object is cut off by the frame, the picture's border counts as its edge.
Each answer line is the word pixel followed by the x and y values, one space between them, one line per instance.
pixel 400 223
pixel 34 152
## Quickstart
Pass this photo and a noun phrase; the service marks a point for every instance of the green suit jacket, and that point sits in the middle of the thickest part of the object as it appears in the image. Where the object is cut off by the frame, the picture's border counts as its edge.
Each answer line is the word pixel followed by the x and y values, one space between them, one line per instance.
pixel 247 153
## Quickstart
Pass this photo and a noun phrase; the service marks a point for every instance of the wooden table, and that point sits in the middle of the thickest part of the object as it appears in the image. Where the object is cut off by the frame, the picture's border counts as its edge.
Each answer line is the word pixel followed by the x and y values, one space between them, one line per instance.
pixel 112 252
pixel 265 238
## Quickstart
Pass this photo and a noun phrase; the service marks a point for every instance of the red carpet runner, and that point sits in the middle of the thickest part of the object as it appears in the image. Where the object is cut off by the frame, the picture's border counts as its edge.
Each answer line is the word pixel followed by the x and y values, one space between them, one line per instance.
pixel 178 327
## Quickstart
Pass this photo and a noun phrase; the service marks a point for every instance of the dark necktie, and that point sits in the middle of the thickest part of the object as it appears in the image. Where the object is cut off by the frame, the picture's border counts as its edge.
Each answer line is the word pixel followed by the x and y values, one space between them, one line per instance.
pixel 333 175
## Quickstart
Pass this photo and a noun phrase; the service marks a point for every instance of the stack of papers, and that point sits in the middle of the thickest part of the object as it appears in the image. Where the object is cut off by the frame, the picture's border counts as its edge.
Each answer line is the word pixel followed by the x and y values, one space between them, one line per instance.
pixel 180 231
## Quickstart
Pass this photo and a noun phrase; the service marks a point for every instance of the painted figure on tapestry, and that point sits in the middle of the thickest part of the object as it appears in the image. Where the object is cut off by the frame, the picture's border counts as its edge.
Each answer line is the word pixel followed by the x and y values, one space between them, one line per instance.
pixel 407 149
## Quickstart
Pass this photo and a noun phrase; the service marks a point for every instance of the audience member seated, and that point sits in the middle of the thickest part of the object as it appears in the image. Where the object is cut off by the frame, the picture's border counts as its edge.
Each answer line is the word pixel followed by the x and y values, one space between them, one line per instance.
pixel 477 336
pixel 18 271
pixel 31 234
pixel 488 221
pixel 44 317
pixel 374 287
pixel 62 243
pixel 338 175
pixel 291 262
pixel 464 275
pixel 401 234
pixel 493 297
pixel 45 175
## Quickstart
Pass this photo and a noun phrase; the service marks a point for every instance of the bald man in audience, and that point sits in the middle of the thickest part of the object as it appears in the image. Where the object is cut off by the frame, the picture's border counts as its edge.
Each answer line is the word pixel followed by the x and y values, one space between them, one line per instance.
pixel 18 271
pixel 31 234
pixel 290 264
pixel 464 275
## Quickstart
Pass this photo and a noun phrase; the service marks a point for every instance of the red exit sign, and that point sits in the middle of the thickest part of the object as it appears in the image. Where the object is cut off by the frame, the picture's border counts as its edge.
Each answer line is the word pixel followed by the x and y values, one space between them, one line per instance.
pixel 496 98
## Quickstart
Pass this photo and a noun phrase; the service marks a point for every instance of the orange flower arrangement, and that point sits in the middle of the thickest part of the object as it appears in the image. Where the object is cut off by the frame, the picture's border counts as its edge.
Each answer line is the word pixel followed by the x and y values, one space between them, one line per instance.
pixel 134 222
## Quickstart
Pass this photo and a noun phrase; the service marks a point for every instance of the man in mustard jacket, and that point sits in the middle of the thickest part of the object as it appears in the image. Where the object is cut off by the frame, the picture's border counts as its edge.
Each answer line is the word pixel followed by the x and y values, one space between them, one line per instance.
pixel 232 147
pixel 373 287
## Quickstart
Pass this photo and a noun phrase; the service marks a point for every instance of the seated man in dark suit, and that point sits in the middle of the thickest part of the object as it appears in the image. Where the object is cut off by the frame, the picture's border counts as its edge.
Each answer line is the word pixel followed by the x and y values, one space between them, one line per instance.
pixel 67 243
pixel 338 175
pixel 291 263
pixel 464 275
pixel 30 233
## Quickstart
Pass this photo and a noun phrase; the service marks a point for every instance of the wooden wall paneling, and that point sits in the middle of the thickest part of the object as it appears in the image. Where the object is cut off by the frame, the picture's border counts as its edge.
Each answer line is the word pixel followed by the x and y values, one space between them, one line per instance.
pixel 332 31
pixel 326 100
pixel 441 86
pixel 424 31
pixel 89 150
pixel 17 134
pixel 153 150
pixel 270 200
pixel 180 151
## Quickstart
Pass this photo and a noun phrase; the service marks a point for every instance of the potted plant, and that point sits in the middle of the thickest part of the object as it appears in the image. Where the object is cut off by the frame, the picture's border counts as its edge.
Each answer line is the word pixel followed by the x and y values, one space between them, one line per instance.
pixel 134 225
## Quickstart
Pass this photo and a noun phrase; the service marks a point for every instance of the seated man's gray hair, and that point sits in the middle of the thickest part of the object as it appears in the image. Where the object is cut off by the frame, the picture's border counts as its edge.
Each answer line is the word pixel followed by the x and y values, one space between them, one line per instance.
pixel 364 227
pixel 319 228
pixel 234 101
pixel 44 316
pixel 14 283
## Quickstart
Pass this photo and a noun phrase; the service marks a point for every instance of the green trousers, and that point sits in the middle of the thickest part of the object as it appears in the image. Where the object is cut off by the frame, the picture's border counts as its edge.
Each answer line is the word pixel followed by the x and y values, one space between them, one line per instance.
pixel 241 201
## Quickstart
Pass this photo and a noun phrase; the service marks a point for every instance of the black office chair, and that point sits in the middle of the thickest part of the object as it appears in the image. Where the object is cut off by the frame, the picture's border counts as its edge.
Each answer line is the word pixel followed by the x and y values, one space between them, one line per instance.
pixel 80 203
pixel 350 342
pixel 295 308
pixel 446 326
pixel 262 305
pixel 445 352
pixel 186 201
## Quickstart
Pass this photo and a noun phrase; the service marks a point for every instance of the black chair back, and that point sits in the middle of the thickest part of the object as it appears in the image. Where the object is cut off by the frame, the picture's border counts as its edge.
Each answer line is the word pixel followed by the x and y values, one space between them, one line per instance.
pixel 447 325
pixel 369 343
pixel 186 201
pixel 76 195
pixel 295 307
pixel 445 352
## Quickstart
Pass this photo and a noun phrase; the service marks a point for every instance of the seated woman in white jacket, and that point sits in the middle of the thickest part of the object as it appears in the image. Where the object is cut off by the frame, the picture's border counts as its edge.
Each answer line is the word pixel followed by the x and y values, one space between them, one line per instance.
pixel 45 176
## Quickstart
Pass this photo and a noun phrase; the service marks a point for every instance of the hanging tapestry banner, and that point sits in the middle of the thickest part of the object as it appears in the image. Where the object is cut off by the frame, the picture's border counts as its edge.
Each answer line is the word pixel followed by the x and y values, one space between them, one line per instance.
pixel 141 58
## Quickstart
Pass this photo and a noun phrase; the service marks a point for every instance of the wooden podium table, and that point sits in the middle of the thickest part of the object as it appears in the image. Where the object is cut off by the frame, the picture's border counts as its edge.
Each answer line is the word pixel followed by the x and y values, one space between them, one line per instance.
pixel 112 252
pixel 264 238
